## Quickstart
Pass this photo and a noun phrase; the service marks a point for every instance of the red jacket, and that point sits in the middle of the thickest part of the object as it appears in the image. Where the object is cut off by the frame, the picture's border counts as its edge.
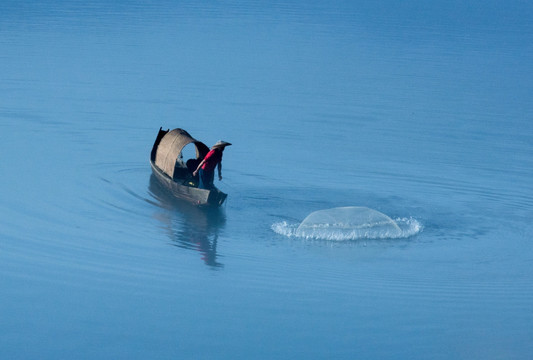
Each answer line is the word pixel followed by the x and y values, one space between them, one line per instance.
pixel 212 159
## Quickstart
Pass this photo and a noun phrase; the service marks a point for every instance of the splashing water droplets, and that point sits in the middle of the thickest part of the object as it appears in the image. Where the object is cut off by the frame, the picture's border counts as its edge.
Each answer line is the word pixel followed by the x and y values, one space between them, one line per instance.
pixel 349 223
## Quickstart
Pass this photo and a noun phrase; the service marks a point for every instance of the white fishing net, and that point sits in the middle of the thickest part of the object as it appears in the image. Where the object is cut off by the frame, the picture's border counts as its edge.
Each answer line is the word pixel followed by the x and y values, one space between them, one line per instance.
pixel 348 223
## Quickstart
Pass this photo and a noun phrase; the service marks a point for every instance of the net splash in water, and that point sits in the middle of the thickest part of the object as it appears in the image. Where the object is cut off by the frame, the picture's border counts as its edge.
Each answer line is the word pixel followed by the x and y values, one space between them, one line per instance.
pixel 349 223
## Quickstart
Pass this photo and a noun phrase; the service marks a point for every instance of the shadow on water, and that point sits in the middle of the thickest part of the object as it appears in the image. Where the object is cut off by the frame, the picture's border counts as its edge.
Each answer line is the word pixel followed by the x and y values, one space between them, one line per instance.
pixel 189 226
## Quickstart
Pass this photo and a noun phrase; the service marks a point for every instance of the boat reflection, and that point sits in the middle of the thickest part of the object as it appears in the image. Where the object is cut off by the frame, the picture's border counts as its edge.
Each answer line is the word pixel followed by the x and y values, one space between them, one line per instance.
pixel 189 226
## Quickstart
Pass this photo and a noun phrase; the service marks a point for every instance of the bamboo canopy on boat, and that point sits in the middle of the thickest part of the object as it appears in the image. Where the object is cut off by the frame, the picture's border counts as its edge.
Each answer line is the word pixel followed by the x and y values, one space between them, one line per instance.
pixel 167 155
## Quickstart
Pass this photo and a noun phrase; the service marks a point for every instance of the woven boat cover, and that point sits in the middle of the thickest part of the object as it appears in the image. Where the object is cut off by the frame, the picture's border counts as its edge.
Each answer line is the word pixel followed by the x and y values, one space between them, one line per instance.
pixel 170 148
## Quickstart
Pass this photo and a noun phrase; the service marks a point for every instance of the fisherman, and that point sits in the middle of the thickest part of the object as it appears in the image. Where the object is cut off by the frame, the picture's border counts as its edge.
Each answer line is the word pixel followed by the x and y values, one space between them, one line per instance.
pixel 206 168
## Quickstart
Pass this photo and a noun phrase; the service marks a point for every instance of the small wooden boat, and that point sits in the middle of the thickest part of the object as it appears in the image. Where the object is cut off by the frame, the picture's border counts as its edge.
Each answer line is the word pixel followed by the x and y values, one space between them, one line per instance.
pixel 175 173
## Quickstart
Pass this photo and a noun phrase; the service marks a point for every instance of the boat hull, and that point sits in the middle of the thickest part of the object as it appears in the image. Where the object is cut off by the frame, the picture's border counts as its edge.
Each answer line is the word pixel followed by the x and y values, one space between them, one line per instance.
pixel 194 195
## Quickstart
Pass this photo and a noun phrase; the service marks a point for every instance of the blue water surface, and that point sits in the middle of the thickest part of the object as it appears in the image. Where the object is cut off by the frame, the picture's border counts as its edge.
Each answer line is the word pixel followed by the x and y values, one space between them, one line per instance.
pixel 419 110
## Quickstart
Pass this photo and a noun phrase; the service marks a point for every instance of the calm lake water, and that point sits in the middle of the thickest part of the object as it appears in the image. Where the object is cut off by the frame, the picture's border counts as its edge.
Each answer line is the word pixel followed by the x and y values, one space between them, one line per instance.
pixel 420 110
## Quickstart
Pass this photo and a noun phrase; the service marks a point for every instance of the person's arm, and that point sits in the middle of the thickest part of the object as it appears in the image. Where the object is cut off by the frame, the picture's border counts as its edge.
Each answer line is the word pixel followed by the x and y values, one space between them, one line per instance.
pixel 198 168
pixel 220 170
pixel 209 154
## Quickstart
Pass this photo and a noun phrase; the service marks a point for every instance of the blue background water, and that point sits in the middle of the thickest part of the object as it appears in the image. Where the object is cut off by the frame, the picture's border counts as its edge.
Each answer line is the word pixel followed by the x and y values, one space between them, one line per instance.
pixel 420 110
